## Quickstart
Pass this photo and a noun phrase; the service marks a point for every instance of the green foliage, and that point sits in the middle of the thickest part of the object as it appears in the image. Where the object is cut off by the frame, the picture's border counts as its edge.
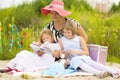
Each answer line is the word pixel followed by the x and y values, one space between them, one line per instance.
pixel 115 8
pixel 80 5
pixel 38 4
pixel 112 58
pixel 20 15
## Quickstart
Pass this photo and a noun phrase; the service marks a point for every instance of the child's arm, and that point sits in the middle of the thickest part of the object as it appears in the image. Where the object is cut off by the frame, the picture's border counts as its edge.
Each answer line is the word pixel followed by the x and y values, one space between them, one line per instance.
pixel 60 43
pixel 84 50
pixel 62 49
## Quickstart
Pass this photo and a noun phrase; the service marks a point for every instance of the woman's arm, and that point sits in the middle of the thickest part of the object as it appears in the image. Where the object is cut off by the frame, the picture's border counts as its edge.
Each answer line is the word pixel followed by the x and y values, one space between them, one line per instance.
pixel 81 32
pixel 60 43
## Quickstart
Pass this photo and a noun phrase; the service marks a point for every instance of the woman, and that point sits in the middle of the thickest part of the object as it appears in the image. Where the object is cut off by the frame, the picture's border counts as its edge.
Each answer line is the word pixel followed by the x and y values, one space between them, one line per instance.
pixel 58 15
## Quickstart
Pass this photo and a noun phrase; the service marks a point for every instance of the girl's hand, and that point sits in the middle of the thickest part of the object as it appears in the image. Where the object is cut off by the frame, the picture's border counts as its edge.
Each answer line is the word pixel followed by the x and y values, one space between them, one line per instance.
pixel 56 53
pixel 40 53
pixel 36 43
pixel 68 52
pixel 73 51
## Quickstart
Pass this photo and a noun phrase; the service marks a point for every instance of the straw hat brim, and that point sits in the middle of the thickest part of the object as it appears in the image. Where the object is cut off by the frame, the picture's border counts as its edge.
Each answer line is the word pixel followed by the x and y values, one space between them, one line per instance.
pixel 60 11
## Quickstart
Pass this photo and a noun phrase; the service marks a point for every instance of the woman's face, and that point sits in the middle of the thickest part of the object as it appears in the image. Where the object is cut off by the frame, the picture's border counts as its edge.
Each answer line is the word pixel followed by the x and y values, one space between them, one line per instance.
pixel 47 38
pixel 55 16
pixel 68 34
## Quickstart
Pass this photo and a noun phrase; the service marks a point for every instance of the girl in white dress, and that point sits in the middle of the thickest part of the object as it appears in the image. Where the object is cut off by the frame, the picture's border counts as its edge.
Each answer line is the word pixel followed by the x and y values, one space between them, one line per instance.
pixel 42 58
pixel 76 49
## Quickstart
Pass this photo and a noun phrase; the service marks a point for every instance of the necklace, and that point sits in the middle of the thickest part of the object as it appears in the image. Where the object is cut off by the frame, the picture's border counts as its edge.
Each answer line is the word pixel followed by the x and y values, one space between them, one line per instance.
pixel 59 25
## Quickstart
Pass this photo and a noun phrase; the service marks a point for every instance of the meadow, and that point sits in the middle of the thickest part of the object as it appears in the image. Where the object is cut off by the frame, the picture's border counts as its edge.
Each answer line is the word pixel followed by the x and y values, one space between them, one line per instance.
pixel 22 24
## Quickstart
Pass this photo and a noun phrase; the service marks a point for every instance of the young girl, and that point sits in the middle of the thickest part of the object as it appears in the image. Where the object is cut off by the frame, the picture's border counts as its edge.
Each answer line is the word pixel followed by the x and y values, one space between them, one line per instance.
pixel 76 49
pixel 26 61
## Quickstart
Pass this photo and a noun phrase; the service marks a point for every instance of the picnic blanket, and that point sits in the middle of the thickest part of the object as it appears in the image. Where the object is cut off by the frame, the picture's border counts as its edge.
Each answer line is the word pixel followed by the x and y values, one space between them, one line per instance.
pixel 55 70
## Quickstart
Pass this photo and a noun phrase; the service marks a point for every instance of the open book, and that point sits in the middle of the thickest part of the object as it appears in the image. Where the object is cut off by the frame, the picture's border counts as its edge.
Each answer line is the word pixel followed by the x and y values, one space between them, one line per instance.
pixel 43 47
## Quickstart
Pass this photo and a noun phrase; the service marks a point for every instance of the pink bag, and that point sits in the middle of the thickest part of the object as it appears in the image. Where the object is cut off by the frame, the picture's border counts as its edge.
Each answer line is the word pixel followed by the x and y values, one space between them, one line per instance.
pixel 98 53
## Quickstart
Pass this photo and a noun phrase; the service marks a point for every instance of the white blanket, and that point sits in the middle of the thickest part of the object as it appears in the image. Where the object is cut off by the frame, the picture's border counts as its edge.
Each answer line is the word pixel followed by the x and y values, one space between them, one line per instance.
pixel 41 75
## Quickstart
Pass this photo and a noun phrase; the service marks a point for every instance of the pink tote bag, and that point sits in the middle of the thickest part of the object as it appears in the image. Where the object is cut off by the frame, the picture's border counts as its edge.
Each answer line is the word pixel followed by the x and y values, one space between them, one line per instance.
pixel 98 53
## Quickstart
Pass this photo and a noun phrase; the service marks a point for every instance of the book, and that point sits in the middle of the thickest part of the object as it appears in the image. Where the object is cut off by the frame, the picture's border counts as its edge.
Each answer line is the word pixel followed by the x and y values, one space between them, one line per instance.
pixel 41 48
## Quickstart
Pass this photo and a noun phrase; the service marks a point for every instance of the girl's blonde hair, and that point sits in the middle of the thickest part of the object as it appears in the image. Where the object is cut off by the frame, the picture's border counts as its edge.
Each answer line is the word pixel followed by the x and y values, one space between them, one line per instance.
pixel 48 32
pixel 70 26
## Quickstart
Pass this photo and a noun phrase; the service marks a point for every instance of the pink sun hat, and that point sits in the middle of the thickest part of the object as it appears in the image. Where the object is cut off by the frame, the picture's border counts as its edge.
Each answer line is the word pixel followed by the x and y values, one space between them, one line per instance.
pixel 55 5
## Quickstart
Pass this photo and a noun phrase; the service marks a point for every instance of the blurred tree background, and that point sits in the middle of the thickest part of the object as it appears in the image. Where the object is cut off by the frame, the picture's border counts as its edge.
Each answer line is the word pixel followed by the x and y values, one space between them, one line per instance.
pixel 101 28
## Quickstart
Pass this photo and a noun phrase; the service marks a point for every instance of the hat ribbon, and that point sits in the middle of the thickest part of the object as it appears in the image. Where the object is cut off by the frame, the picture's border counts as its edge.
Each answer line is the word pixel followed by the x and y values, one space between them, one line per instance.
pixel 55 6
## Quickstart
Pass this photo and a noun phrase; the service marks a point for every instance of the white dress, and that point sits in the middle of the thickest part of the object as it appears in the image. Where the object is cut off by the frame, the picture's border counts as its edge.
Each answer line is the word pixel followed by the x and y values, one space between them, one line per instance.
pixel 27 61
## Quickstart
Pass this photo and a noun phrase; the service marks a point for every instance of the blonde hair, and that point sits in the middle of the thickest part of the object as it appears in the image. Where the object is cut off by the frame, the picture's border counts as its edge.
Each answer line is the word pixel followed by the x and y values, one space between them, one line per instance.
pixel 48 32
pixel 70 26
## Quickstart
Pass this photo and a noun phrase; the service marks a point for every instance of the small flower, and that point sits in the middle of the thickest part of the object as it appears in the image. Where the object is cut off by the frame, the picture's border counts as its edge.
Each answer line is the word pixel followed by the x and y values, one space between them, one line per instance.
pixel 0 29
pixel 89 29
pixel 10 25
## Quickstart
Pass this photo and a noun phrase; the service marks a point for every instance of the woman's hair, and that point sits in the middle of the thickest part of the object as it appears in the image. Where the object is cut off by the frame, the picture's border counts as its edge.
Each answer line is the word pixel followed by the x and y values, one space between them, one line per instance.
pixel 70 26
pixel 48 32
